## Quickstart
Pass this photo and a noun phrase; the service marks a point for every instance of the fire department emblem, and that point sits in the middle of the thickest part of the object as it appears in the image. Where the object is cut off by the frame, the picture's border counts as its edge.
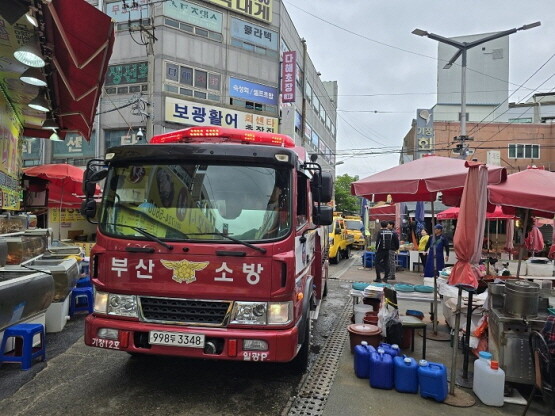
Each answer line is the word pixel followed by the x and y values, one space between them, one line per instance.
pixel 184 270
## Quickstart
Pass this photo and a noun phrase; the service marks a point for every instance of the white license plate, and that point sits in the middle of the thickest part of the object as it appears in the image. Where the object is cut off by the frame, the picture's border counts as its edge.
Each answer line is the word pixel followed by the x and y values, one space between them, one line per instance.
pixel 176 339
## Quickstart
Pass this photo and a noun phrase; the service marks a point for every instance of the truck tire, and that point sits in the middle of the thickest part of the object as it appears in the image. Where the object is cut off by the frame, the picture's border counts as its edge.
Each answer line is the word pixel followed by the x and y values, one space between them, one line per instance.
pixel 300 362
pixel 347 252
pixel 337 258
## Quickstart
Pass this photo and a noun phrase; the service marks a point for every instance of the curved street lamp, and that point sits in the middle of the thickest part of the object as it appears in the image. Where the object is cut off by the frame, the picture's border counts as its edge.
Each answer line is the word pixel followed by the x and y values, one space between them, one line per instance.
pixel 463 47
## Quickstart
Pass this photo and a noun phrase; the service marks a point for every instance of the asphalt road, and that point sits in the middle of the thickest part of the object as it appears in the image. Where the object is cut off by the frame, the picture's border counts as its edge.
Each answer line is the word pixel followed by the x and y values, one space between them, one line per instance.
pixel 80 380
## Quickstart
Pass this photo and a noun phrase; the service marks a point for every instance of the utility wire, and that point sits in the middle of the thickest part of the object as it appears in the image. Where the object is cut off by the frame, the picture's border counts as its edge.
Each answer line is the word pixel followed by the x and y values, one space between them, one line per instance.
pixel 477 128
pixel 391 46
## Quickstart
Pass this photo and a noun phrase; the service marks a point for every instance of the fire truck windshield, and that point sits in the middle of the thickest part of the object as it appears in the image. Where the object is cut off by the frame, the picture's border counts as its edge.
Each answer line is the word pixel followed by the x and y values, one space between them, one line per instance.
pixel 197 202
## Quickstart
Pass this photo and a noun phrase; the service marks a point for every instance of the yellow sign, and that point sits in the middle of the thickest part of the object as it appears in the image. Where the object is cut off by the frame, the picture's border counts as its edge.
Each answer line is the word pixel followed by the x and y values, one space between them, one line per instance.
pixel 257 9
pixel 64 215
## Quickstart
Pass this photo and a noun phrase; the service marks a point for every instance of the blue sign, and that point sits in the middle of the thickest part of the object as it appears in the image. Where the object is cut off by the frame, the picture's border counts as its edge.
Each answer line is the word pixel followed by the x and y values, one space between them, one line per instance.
pixel 254 34
pixel 253 92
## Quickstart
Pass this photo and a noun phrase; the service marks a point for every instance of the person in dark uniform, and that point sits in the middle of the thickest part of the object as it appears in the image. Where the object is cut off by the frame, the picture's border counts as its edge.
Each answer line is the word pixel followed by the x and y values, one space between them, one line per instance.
pixel 436 248
pixel 385 241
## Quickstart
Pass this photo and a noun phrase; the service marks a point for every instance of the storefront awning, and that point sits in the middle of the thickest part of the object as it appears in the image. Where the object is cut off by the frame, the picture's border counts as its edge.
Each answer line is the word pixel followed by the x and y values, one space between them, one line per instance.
pixel 81 38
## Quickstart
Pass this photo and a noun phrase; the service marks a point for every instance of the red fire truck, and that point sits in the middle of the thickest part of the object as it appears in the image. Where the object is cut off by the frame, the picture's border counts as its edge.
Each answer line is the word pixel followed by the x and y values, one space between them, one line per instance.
pixel 210 244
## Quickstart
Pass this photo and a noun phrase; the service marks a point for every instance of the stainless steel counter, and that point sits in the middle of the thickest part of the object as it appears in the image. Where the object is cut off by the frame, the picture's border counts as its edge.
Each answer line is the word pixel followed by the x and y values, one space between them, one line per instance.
pixel 508 342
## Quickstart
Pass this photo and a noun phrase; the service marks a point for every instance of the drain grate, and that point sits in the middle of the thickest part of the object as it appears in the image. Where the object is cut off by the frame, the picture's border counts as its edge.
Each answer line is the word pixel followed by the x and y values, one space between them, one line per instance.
pixel 317 383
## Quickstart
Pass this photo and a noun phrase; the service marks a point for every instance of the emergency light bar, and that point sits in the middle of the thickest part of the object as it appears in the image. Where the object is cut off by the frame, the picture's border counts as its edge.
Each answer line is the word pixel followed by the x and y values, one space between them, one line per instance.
pixel 216 134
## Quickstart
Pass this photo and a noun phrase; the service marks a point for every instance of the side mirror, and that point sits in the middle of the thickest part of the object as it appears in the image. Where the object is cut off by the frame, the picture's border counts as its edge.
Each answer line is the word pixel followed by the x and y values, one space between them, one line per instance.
pixel 322 187
pixel 326 193
pixel 88 208
pixel 323 215
pixel 90 189
pixel 90 179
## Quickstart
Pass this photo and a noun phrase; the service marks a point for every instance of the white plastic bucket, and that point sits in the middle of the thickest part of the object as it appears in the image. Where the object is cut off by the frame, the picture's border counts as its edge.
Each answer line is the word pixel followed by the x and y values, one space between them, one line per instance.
pixel 360 311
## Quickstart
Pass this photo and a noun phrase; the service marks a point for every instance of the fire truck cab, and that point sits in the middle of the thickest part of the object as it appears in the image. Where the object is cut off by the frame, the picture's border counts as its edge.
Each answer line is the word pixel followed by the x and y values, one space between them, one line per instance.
pixel 211 243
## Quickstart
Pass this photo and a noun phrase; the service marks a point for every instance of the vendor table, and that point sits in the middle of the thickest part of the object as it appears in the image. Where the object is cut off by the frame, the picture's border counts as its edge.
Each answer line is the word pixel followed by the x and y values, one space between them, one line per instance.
pixel 357 295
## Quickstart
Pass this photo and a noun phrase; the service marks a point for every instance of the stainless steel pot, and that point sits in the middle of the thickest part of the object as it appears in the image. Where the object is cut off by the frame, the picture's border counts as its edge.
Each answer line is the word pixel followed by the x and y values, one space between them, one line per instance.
pixel 497 293
pixel 521 298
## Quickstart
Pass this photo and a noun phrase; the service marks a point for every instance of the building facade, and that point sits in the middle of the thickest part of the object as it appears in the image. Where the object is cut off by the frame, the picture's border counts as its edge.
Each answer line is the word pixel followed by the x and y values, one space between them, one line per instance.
pixel 513 145
pixel 181 63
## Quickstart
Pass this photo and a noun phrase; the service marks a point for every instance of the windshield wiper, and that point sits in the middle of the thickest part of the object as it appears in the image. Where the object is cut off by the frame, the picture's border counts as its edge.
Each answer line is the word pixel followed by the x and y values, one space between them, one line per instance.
pixel 235 240
pixel 145 233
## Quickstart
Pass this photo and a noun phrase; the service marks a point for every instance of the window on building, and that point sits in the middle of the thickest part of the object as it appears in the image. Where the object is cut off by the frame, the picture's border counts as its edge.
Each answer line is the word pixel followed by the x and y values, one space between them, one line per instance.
pixel 308 92
pixel 250 105
pixel 194 30
pixel 521 120
pixel 524 151
pixel 192 82
pixel 316 104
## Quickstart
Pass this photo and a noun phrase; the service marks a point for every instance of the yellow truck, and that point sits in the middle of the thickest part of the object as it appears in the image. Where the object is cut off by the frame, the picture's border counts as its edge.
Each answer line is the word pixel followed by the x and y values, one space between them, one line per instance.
pixel 354 226
pixel 340 241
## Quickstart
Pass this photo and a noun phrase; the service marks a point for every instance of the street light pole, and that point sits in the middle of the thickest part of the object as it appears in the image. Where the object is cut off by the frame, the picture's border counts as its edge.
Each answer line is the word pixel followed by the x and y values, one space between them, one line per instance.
pixel 463 48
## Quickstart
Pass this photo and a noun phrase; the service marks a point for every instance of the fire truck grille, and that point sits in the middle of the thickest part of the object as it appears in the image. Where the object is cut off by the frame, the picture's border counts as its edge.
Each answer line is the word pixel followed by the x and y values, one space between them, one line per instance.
pixel 184 311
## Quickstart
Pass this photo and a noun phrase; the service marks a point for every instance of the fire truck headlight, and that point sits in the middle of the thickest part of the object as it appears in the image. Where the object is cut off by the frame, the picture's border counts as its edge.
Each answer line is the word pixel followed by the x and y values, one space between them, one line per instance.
pixel 249 313
pixel 122 305
pixel 100 302
pixel 280 313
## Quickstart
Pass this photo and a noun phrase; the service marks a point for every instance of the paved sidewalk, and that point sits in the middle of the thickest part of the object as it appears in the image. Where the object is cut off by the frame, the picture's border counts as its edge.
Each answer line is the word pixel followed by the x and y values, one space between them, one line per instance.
pixel 353 396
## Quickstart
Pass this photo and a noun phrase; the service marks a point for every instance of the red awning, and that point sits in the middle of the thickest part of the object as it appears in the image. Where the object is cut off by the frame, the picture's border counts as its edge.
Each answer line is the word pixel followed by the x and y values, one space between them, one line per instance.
pixel 82 38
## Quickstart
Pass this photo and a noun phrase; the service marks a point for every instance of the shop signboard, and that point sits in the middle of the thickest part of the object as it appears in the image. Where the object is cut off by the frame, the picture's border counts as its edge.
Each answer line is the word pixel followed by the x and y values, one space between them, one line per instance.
pixel 31 148
pixel 257 9
pixel 64 215
pixel 194 14
pixel 199 114
pixel 425 140
pixel 251 33
pixel 124 74
pixel 74 146
pixel 288 68
pixel 251 91
pixel 123 11
pixel 10 158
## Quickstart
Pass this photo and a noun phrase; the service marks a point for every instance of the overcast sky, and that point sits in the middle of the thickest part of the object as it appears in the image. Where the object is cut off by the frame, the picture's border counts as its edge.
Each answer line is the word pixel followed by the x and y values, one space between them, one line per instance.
pixel 385 73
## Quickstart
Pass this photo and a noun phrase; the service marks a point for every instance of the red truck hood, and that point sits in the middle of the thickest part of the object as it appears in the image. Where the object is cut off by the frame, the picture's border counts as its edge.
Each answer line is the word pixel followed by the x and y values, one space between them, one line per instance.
pixel 189 275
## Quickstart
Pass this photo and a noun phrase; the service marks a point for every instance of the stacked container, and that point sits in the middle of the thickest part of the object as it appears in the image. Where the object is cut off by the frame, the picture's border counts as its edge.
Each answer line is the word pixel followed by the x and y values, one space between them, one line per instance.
pixel 362 359
pixel 432 378
pixel 381 370
pixel 405 370
pixel 391 349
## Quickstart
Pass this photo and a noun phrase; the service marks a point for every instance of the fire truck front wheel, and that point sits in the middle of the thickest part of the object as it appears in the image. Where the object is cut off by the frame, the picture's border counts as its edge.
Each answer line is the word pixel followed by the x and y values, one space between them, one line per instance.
pixel 300 362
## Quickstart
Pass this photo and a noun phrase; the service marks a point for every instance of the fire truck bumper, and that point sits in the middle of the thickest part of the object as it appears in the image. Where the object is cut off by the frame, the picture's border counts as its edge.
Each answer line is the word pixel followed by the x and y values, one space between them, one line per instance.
pixel 276 345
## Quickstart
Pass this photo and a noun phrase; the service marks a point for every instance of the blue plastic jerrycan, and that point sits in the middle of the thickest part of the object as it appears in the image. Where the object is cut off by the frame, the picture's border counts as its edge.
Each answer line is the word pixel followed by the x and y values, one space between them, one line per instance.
pixel 432 378
pixel 405 370
pixel 381 370
pixel 362 359
pixel 391 349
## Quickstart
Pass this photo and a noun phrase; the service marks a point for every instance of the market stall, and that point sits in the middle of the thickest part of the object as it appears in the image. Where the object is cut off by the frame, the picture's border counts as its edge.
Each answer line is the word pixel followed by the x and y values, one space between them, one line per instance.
pixel 519 306
pixel 421 180
pixel 58 189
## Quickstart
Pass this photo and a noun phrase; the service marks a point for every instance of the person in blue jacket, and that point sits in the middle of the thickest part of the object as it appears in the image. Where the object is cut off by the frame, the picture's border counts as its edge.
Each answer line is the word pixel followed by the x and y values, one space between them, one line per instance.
pixel 436 247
